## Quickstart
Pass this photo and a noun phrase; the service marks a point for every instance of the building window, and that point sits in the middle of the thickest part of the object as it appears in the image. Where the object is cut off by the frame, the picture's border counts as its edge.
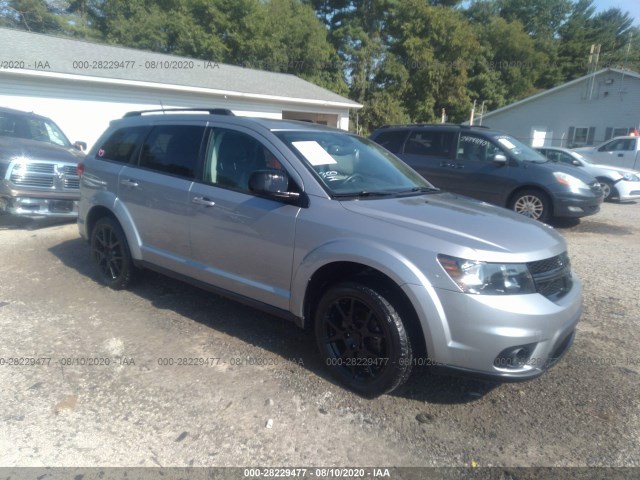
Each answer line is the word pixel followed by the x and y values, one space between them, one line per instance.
pixel 580 136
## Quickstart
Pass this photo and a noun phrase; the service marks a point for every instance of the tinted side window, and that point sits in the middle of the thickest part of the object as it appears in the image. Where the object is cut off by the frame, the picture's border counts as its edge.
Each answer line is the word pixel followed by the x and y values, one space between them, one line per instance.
pixel 392 140
pixel 173 149
pixel 432 143
pixel 473 148
pixel 121 145
pixel 233 156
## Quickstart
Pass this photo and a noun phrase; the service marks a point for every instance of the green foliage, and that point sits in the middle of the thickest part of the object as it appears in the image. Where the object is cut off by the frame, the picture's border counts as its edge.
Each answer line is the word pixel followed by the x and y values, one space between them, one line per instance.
pixel 404 60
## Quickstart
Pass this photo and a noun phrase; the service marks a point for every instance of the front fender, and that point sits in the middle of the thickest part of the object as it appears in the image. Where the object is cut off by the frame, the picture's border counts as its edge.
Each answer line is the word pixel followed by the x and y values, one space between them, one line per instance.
pixel 393 264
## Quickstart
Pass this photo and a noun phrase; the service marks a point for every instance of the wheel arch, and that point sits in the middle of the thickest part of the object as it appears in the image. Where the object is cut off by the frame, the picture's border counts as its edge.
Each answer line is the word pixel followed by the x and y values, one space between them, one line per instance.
pixel 118 212
pixel 339 271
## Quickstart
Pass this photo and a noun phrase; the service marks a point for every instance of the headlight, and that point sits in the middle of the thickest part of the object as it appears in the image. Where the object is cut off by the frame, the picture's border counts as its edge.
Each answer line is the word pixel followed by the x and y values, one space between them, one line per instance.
pixel 569 180
pixel 488 278
pixel 630 177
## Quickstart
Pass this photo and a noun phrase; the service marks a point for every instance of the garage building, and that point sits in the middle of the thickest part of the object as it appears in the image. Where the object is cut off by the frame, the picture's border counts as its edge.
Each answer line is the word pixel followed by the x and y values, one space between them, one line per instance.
pixel 83 85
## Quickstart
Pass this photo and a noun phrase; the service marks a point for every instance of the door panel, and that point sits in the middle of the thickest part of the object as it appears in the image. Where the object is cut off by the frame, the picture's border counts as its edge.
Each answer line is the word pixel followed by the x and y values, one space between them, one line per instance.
pixel 241 242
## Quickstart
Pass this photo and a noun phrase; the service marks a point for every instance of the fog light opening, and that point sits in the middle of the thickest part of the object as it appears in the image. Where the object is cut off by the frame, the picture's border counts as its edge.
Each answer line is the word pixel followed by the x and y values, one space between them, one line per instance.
pixel 514 357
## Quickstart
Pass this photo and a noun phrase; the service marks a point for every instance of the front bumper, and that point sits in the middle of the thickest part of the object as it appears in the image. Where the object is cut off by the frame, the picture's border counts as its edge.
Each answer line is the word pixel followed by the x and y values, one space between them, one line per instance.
pixel 35 207
pixel 470 333
pixel 576 206
pixel 627 191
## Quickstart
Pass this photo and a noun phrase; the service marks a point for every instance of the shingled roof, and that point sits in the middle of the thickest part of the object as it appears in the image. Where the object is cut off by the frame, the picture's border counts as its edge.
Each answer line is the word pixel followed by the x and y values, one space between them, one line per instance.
pixel 46 54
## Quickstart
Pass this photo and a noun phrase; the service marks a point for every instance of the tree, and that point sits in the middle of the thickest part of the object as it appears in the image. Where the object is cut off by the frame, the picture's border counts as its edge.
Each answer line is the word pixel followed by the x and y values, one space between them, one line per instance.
pixel 437 47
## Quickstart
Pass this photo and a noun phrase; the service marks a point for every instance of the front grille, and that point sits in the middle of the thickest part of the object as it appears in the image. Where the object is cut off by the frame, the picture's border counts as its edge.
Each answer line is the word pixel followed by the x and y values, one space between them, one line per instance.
pixel 45 175
pixel 552 276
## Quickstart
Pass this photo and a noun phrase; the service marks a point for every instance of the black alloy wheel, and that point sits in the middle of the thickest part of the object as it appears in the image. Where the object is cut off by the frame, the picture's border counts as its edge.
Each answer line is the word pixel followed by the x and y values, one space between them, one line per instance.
pixel 110 252
pixel 362 339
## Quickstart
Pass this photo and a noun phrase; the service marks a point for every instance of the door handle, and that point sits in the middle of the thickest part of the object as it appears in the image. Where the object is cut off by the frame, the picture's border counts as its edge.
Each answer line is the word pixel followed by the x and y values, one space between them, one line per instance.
pixel 129 183
pixel 446 164
pixel 459 165
pixel 621 154
pixel 203 201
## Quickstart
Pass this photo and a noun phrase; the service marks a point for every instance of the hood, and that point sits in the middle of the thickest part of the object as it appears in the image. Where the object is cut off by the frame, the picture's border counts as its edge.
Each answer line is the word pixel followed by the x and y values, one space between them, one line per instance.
pixel 461 223
pixel 602 166
pixel 34 150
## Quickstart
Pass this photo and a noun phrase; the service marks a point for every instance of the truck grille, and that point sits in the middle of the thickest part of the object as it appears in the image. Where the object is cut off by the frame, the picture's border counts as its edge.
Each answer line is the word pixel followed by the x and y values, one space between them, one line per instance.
pixel 552 277
pixel 57 176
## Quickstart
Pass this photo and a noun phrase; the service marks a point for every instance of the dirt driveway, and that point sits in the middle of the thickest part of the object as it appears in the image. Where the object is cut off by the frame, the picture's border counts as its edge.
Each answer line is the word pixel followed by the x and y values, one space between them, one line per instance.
pixel 169 375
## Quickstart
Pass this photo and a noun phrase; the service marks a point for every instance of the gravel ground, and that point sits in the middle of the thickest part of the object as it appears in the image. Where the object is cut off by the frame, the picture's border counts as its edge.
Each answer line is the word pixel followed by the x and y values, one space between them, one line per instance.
pixel 266 401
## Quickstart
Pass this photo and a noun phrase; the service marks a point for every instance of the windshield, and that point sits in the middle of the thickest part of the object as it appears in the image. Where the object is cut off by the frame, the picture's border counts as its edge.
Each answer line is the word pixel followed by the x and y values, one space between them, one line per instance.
pixel 32 128
pixel 346 164
pixel 519 150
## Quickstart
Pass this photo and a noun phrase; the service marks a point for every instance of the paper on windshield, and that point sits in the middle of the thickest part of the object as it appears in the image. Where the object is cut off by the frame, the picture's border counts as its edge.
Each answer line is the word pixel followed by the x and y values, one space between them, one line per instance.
pixel 507 143
pixel 314 153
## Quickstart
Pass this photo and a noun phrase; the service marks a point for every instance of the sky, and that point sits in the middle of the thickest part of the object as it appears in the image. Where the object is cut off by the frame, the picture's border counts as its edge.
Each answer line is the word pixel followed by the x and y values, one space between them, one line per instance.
pixel 631 6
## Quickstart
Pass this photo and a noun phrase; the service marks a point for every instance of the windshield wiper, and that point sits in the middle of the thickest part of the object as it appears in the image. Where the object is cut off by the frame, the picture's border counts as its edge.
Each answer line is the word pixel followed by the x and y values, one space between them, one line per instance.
pixel 362 194
pixel 419 190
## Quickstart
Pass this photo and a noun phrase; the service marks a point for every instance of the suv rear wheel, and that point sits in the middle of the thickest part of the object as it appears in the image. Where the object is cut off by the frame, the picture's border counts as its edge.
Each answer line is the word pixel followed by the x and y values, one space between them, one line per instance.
pixel 532 203
pixel 110 252
pixel 362 339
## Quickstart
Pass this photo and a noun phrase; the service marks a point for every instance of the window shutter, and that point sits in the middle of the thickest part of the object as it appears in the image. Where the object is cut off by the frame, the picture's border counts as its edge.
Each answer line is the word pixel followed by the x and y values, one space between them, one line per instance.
pixel 590 135
pixel 570 136
pixel 608 133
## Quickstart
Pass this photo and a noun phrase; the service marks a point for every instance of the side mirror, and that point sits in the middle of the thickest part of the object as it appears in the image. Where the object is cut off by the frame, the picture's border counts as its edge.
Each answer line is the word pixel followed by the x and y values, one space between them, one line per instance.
pixel 272 183
pixel 82 146
pixel 500 158
pixel 576 163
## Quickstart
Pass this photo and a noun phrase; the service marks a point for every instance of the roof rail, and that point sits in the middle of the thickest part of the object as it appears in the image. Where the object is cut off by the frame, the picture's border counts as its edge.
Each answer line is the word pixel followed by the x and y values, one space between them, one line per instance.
pixel 213 111
pixel 400 125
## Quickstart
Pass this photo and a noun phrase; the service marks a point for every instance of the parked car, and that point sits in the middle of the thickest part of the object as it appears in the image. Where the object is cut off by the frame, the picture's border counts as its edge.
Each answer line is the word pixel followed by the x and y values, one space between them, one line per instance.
pixel 618 152
pixel 331 231
pixel 619 183
pixel 494 167
pixel 38 176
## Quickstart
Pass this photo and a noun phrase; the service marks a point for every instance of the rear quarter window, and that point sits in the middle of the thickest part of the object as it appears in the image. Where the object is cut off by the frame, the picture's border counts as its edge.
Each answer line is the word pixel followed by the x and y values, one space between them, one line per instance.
pixel 392 140
pixel 122 144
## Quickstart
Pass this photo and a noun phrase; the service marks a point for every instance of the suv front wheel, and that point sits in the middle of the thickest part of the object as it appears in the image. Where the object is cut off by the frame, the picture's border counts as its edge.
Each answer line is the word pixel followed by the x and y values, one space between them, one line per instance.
pixel 110 252
pixel 362 339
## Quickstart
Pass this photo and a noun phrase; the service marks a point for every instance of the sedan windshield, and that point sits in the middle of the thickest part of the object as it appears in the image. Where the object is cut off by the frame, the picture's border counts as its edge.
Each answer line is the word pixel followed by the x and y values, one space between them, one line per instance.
pixel 32 128
pixel 519 150
pixel 348 165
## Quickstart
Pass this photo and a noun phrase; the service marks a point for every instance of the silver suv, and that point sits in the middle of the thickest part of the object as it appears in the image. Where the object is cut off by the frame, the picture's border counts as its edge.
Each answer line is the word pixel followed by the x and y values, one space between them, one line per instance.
pixel 335 233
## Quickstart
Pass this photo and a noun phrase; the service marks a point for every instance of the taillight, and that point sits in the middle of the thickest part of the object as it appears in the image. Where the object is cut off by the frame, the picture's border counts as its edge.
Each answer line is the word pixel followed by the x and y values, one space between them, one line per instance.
pixel 80 169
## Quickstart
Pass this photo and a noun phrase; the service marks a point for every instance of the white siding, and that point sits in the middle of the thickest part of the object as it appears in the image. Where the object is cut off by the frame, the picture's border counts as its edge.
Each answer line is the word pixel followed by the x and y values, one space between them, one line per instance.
pixel 84 109
pixel 614 101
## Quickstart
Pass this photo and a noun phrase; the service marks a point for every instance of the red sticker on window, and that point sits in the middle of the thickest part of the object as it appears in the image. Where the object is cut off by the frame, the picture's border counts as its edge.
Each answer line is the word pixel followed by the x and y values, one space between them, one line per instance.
pixel 101 152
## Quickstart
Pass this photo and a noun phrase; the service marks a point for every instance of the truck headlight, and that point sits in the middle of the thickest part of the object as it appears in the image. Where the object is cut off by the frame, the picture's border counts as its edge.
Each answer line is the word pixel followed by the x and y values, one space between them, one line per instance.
pixel 488 278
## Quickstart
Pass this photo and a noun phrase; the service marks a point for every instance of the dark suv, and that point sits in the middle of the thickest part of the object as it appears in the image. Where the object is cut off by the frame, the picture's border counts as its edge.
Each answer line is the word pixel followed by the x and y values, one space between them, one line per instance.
pixel 494 167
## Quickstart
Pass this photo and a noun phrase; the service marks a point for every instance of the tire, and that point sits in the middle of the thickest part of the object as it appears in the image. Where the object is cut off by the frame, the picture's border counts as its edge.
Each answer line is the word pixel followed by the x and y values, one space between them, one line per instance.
pixel 608 190
pixel 362 339
pixel 532 203
pixel 110 252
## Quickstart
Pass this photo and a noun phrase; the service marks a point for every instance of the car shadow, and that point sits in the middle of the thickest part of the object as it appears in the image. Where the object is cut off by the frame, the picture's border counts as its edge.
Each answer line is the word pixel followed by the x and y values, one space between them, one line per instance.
pixel 10 222
pixel 278 336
